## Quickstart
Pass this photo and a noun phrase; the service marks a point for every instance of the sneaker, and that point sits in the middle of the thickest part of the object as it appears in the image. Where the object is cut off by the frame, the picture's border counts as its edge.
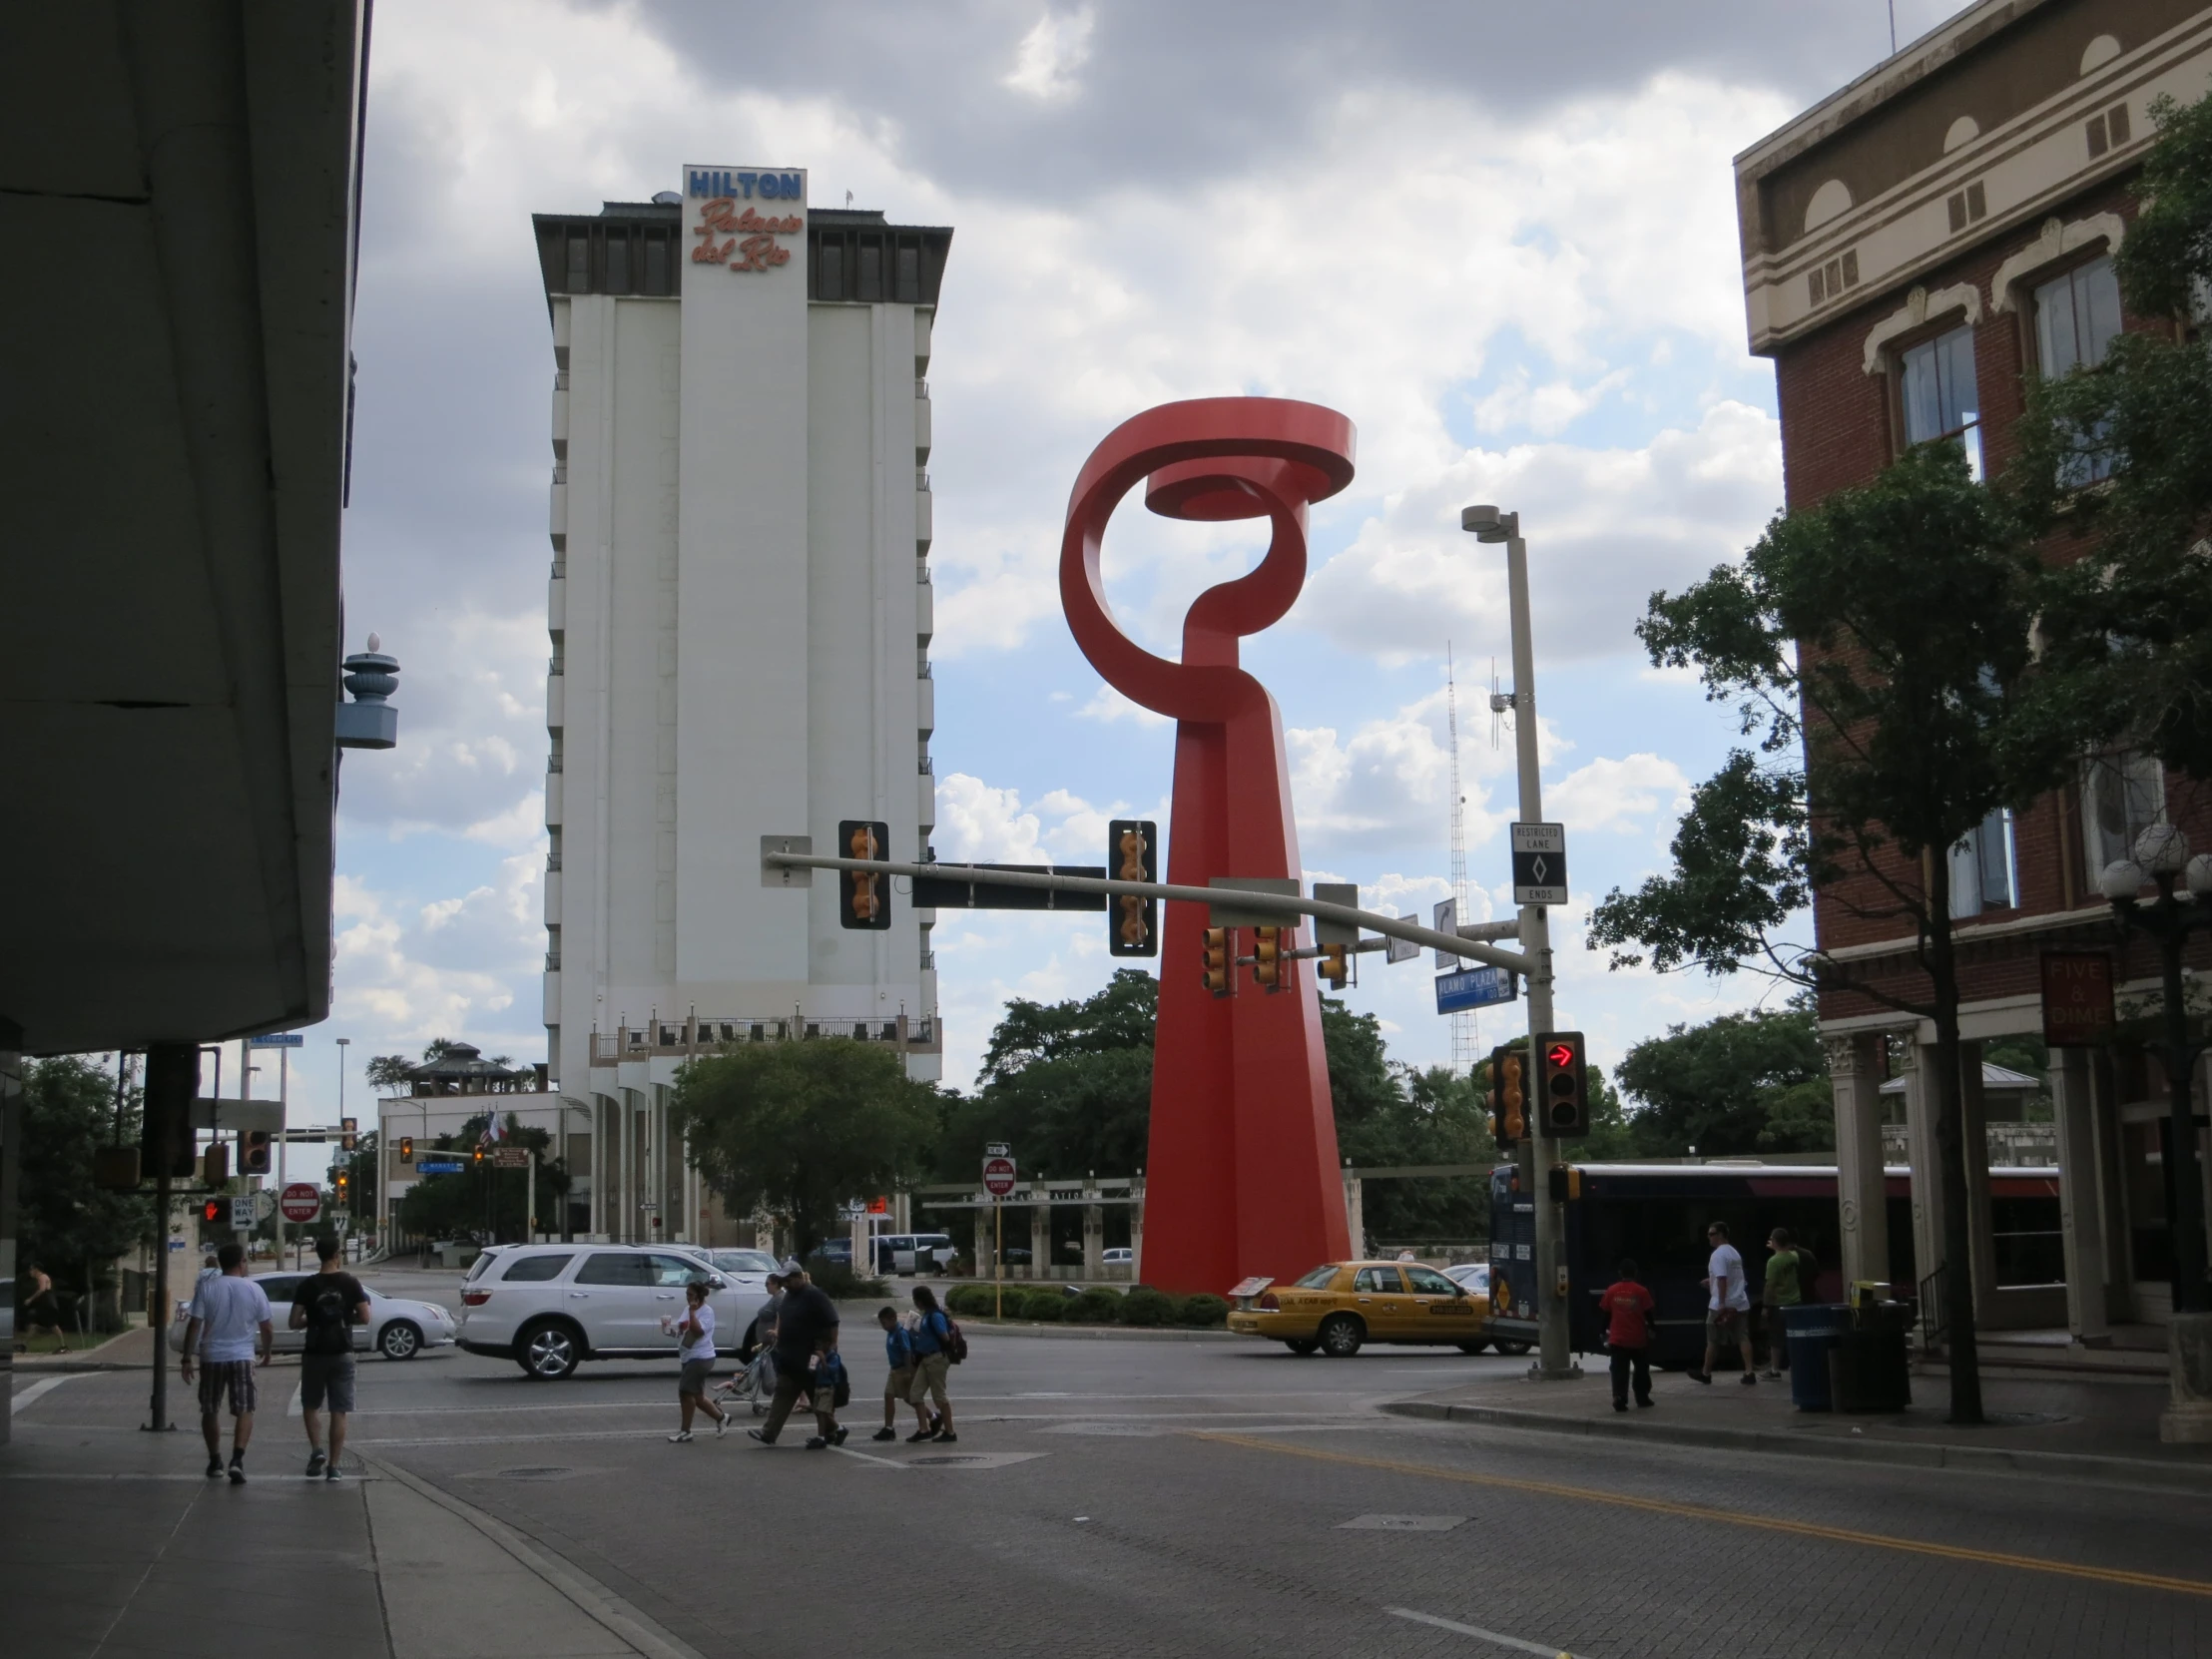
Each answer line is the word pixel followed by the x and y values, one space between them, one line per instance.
pixel 1772 1375
pixel 884 1434
pixel 920 1434
pixel 238 1475
pixel 1620 1405
pixel 315 1463
pixel 329 1474
pixel 1643 1405
pixel 838 1437
pixel 1699 1376
pixel 945 1436
pixel 814 1443
pixel 680 1438
pixel 1748 1381
pixel 765 1439
pixel 215 1469
pixel 722 1428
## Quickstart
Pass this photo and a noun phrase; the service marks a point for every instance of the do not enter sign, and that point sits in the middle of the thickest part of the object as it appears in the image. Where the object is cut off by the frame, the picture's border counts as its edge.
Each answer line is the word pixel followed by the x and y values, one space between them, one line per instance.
pixel 301 1202
pixel 999 1175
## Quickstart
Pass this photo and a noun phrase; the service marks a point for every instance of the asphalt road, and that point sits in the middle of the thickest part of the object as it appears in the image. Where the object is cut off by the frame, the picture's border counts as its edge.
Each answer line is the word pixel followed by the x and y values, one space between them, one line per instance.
pixel 1130 1497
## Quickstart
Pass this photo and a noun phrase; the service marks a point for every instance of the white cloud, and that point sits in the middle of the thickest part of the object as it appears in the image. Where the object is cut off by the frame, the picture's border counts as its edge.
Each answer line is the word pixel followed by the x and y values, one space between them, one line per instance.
pixel 1108 704
pixel 1049 55
pixel 1618 795
pixel 977 824
pixel 466 966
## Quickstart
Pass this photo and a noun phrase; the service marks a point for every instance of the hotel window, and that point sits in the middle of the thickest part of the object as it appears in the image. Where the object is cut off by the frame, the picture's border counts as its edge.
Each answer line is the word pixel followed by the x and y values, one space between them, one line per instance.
pixel 829 269
pixel 2076 316
pixel 909 291
pixel 579 263
pixel 655 264
pixel 1939 394
pixel 1985 873
pixel 617 263
pixel 2122 794
pixel 872 271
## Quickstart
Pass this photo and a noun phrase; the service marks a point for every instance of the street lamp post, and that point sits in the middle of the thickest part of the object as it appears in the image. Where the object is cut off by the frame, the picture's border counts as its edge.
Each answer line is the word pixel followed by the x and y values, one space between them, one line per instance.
pixel 2162 859
pixel 1490 525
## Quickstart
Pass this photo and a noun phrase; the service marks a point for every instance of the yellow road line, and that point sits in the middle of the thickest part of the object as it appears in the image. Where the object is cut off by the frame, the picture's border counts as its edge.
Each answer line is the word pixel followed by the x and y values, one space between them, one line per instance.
pixel 1699 1511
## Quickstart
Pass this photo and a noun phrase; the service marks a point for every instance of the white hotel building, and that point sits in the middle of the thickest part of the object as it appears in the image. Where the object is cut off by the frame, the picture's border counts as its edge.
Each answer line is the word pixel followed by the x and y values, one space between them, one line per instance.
pixel 739 611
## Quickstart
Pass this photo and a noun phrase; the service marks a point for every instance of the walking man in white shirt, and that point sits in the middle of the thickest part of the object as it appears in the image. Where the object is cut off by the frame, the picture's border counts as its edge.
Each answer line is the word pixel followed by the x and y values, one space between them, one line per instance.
pixel 231 1330
pixel 1728 1307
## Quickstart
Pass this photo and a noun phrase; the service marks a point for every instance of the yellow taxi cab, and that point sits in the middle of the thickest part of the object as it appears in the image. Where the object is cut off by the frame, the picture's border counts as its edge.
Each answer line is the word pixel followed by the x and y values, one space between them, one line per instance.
pixel 1340 1307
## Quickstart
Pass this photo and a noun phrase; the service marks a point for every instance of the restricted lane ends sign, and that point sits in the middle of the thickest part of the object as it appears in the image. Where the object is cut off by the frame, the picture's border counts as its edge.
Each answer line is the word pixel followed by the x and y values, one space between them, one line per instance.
pixel 1539 863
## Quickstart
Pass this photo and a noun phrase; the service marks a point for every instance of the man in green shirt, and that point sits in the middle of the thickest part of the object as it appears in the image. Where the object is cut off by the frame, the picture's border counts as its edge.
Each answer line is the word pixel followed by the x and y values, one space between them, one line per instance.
pixel 1783 1291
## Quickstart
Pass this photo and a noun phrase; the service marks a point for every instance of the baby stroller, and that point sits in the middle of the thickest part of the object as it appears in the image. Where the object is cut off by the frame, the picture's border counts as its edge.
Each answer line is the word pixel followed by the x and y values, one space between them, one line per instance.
pixel 756 1383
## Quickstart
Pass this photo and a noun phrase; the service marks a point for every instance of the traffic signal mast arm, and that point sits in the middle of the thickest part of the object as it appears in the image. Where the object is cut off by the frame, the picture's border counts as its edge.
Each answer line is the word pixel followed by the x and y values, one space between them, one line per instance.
pixel 1287 904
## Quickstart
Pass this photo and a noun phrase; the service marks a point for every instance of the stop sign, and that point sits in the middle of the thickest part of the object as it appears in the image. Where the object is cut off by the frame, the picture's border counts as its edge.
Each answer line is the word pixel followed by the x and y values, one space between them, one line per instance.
pixel 999 1175
pixel 301 1202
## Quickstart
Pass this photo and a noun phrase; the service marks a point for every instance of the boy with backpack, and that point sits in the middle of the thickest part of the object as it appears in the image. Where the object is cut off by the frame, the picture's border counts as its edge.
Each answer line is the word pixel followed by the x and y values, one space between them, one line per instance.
pixel 937 1346
pixel 898 1348
pixel 328 1305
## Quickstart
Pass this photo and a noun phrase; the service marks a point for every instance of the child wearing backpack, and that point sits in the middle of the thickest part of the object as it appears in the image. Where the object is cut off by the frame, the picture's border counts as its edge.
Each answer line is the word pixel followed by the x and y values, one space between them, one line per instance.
pixel 936 1342
pixel 898 1348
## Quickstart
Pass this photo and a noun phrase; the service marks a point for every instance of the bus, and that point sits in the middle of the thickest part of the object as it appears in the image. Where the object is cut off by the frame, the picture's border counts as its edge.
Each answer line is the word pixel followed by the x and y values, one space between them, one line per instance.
pixel 1656 1214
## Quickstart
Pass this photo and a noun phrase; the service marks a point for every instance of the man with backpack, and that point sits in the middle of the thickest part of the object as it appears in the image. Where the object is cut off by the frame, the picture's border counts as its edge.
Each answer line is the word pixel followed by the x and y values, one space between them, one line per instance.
pixel 805 1340
pixel 328 1305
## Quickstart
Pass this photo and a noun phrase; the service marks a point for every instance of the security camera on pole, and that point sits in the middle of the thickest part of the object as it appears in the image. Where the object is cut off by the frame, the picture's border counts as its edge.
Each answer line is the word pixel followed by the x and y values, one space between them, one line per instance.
pixel 1490 525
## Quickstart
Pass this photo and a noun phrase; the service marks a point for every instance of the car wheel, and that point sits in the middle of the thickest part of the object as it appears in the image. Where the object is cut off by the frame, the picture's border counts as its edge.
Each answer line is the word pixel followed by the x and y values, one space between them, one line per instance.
pixel 1508 1347
pixel 1300 1345
pixel 399 1339
pixel 547 1353
pixel 1340 1335
pixel 1479 1345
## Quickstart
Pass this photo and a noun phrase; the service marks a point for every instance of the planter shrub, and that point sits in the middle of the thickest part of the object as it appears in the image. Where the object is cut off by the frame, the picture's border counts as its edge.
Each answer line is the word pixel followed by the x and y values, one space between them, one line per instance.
pixel 1203 1312
pixel 1147 1307
pixel 1041 1305
pixel 969 1300
pixel 1096 1305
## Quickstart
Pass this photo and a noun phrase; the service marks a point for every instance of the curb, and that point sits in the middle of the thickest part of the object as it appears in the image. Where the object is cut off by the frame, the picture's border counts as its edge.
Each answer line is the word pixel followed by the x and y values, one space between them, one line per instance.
pixel 1095 1333
pixel 2063 1465
pixel 42 1368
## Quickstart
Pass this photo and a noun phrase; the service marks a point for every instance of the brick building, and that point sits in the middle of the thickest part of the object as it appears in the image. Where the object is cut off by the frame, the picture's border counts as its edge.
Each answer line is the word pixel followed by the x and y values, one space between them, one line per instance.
pixel 1917 247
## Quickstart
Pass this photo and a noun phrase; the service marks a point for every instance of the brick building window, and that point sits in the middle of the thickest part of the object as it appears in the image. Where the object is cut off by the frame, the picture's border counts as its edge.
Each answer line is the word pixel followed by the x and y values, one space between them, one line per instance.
pixel 1941 397
pixel 1985 874
pixel 2122 794
pixel 2076 316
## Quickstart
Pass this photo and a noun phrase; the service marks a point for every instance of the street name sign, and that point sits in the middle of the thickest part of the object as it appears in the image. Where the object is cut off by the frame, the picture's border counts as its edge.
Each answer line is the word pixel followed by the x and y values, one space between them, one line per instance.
pixel 301 1202
pixel 1481 987
pixel 1539 863
pixel 439 1166
pixel 278 1039
pixel 999 1175
pixel 997 1149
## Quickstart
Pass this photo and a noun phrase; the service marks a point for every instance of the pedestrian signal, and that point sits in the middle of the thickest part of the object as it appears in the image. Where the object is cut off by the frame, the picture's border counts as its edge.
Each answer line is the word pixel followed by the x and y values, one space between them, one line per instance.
pixel 1217 961
pixel 1333 966
pixel 215 1211
pixel 864 897
pixel 1132 856
pixel 1266 957
pixel 1563 1091
pixel 407 1148
pixel 253 1152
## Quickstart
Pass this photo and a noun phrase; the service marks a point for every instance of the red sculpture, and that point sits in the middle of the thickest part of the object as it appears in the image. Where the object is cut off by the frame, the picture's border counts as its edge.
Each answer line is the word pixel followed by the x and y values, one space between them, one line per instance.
pixel 1242 1176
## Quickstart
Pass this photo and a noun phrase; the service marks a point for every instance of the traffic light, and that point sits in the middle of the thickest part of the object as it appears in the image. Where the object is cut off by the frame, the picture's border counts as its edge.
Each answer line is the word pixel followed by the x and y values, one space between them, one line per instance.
pixel 407 1148
pixel 477 1156
pixel 215 1165
pixel 1496 1101
pixel 1217 961
pixel 864 897
pixel 1512 1096
pixel 216 1212
pixel 1333 966
pixel 1266 957
pixel 347 1127
pixel 253 1152
pixel 1132 854
pixel 1563 1090
pixel 164 1124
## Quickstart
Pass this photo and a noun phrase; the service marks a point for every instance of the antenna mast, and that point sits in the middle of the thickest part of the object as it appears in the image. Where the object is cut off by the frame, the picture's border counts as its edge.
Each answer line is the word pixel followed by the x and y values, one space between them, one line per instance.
pixel 1465 1035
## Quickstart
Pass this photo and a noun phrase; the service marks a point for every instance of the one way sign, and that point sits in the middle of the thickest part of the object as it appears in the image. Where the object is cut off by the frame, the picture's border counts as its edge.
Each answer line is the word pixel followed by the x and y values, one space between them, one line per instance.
pixel 1539 863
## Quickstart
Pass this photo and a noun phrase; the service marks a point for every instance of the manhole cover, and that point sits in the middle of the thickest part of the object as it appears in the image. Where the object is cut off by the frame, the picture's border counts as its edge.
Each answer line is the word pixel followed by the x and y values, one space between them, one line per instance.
pixel 1401 1524
pixel 547 1472
pixel 940 1463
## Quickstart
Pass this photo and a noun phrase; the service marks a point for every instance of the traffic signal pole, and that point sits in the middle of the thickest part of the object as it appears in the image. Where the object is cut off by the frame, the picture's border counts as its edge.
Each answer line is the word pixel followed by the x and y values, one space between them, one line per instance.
pixel 1538 1149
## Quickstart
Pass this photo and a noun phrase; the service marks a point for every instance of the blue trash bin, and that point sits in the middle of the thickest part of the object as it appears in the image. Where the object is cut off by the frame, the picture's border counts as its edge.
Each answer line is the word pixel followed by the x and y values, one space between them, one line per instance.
pixel 1812 1329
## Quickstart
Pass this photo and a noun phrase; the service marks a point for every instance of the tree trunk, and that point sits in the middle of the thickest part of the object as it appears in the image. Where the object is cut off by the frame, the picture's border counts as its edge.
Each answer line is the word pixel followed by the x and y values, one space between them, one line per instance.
pixel 1950 1153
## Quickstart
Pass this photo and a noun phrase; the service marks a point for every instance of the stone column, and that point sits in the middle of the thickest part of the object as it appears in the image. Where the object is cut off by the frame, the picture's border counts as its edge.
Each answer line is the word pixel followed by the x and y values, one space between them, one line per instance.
pixel 1356 1212
pixel 2119 1253
pixel 1136 1229
pixel 1973 1134
pixel 1919 1142
pixel 11 1158
pixel 987 1263
pixel 1040 1237
pixel 1862 1194
pixel 2080 1217
pixel 1094 1236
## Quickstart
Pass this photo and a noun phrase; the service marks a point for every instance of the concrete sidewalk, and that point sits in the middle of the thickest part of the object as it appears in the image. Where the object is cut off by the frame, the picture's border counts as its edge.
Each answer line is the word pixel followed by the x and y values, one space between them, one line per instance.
pixel 2075 1426
pixel 133 1349
pixel 113 1542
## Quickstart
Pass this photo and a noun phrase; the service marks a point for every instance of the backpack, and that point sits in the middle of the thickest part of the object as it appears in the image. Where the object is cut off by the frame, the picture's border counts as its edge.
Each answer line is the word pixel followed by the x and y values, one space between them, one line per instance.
pixel 955 1345
pixel 329 1315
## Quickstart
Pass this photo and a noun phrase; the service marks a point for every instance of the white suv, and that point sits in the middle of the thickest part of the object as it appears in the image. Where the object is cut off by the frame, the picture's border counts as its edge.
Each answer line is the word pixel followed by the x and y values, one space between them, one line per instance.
pixel 547 1307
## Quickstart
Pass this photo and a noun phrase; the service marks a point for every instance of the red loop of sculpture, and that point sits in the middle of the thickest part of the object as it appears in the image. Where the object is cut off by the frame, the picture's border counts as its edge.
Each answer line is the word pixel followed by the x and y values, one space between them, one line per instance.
pixel 1242 1173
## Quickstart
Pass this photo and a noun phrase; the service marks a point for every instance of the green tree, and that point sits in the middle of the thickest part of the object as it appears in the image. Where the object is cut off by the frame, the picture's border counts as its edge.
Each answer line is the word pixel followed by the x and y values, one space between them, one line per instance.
pixel 1391 1114
pixel 2127 629
pixel 1068 1086
pixel 802 1128
pixel 1876 643
pixel 480 1199
pixel 66 1225
pixel 1740 1085
pixel 389 1071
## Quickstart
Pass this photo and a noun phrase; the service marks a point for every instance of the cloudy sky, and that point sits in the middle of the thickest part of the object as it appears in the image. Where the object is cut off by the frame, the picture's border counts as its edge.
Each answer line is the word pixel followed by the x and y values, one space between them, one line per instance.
pixel 1500 237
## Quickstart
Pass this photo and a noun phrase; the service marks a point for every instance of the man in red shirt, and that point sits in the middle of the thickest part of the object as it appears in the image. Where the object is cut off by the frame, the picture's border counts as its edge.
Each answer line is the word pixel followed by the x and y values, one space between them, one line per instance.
pixel 1628 1307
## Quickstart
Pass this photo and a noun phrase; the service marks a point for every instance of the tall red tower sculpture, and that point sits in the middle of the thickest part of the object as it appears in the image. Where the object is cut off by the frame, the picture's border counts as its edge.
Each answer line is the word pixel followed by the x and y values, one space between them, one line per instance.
pixel 1242 1176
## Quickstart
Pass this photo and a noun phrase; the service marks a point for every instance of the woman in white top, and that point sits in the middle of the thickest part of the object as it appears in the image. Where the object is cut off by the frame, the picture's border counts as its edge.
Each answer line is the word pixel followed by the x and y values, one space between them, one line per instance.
pixel 695 1354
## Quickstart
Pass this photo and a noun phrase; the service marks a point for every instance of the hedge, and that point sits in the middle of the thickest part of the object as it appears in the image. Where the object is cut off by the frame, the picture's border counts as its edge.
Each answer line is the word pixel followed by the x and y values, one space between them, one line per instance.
pixel 1096 1305
pixel 1145 1306
pixel 1046 1306
pixel 1202 1312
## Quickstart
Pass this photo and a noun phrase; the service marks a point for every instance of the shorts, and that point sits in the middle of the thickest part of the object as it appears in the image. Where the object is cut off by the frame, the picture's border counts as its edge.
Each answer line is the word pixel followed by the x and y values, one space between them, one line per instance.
pixel 230 1380
pixel 326 1376
pixel 929 1370
pixel 1724 1327
pixel 692 1380
pixel 899 1385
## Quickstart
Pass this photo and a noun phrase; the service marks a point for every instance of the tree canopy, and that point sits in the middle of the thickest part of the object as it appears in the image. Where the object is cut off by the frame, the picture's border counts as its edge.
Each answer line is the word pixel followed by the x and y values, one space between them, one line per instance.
pixel 478 1198
pixel 65 1223
pixel 1742 1085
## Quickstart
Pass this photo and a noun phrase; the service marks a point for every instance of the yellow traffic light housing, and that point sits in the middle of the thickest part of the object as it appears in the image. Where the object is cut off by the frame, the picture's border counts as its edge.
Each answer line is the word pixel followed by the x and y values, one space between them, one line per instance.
pixel 1132 856
pixel 253 1152
pixel 1217 961
pixel 1516 1123
pixel 407 1148
pixel 1266 957
pixel 864 901
pixel 1334 967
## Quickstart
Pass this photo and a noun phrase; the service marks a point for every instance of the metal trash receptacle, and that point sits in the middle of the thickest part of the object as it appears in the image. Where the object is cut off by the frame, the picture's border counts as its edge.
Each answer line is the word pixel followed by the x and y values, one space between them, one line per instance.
pixel 1869 1370
pixel 1811 1330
